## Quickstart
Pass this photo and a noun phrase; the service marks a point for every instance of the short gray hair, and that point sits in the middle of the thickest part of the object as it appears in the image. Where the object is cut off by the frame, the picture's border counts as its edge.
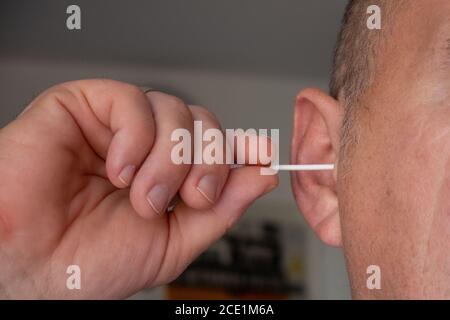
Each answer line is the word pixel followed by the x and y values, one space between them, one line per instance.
pixel 354 63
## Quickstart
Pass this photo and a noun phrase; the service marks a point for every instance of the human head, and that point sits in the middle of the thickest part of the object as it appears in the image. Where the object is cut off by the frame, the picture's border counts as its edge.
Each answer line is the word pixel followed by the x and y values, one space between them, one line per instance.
pixel 386 125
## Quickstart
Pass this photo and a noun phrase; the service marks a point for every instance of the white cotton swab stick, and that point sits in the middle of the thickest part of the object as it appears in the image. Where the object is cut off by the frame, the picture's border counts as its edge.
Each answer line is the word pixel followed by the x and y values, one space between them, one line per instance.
pixel 304 167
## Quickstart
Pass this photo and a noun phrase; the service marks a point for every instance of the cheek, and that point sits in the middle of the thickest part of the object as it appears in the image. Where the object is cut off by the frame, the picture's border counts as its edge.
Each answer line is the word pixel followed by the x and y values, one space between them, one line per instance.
pixel 407 162
pixel 398 182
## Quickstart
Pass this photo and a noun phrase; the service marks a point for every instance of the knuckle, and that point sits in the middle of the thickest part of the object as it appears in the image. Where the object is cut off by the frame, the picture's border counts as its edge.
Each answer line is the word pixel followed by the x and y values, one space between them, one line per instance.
pixel 175 102
pixel 59 89
pixel 60 94
pixel 180 108
pixel 130 91
pixel 133 90
pixel 204 113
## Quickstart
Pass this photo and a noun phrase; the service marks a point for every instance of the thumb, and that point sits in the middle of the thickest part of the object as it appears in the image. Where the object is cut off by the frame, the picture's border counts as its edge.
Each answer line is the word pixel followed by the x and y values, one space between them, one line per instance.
pixel 193 231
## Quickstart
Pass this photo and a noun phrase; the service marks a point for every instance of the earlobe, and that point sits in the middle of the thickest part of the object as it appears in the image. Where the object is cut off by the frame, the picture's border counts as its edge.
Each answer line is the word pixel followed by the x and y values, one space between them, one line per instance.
pixel 316 137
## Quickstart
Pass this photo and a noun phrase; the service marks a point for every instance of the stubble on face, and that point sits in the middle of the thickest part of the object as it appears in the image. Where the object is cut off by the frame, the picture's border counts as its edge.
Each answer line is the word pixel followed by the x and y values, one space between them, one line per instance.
pixel 395 198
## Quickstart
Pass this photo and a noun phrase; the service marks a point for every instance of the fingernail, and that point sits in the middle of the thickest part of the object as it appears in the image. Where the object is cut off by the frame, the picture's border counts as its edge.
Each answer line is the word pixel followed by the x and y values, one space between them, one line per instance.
pixel 207 186
pixel 158 198
pixel 127 174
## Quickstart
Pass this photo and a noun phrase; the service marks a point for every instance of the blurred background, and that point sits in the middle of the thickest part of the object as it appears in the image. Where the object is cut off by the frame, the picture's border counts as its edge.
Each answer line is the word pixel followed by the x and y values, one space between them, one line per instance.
pixel 246 61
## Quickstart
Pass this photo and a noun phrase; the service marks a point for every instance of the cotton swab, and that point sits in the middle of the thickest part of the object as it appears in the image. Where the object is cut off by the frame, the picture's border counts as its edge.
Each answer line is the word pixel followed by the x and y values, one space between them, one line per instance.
pixel 304 167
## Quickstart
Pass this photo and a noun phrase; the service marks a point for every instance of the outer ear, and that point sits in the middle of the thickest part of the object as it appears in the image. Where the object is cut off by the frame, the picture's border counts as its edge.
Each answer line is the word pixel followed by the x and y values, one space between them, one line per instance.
pixel 316 137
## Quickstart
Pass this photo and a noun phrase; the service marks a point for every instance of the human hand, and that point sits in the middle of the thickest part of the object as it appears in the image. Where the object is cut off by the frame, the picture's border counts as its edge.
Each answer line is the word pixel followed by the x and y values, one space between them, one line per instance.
pixel 86 180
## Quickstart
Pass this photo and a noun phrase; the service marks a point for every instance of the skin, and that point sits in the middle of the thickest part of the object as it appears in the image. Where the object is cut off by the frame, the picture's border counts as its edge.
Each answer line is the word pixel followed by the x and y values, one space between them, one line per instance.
pixel 64 200
pixel 387 202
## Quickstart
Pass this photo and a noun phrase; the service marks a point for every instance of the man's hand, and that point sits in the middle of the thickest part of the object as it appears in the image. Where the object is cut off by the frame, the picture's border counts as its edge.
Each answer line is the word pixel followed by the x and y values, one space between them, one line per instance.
pixel 86 178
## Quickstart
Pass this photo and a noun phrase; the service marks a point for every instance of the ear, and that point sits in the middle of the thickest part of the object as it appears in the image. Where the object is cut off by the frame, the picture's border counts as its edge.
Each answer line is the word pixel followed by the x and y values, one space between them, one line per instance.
pixel 316 138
